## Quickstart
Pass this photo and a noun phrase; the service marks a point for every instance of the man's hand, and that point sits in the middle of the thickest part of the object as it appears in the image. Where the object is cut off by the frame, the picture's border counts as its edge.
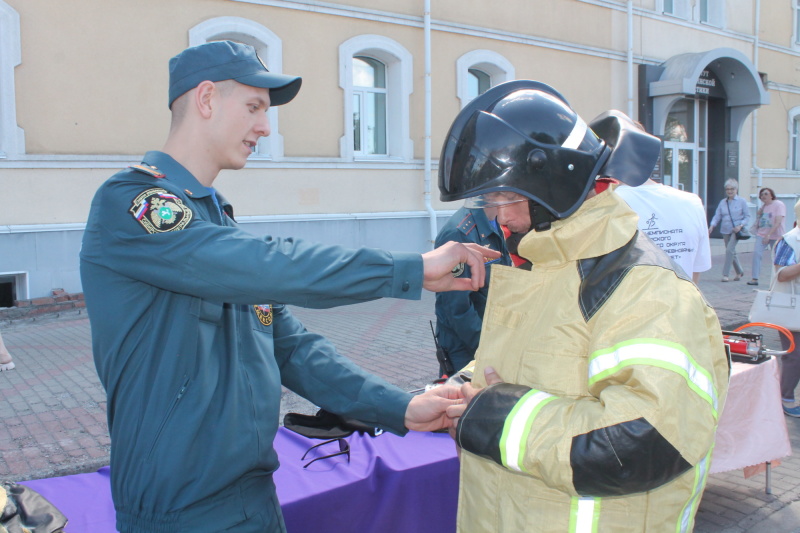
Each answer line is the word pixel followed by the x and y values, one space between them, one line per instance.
pixel 468 392
pixel 427 411
pixel 438 265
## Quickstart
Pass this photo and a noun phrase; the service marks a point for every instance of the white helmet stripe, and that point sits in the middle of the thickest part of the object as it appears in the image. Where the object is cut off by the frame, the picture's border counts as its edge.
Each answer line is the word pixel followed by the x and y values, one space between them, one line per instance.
pixel 576 136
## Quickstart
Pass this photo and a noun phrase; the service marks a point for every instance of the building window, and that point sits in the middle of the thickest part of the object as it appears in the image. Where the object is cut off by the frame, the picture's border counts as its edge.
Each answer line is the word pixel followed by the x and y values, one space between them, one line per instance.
pixel 369 106
pixel 711 12
pixel 795 144
pixel 796 8
pixel 676 8
pixel 12 138
pixel 478 82
pixel 793 162
pixel 479 70
pixel 375 73
pixel 269 48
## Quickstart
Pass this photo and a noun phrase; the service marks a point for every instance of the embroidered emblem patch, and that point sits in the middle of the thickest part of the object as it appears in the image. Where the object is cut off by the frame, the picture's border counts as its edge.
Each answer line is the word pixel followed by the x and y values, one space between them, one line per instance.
pixel 158 211
pixel 264 314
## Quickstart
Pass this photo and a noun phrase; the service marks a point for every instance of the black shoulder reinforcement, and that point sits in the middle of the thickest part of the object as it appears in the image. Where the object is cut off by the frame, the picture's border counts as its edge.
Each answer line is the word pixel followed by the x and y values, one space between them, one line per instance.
pixel 623 459
pixel 481 426
pixel 601 275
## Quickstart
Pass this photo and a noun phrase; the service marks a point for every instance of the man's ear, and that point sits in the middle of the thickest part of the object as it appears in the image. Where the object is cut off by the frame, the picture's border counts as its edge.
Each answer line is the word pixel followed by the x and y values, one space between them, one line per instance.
pixel 204 98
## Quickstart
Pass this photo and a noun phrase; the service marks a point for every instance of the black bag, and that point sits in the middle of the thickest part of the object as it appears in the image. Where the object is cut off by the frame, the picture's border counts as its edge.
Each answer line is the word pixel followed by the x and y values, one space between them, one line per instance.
pixel 25 510
pixel 326 425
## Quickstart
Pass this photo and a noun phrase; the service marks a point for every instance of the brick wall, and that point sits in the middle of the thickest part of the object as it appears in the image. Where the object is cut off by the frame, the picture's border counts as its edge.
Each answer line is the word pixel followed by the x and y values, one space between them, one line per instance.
pixel 58 302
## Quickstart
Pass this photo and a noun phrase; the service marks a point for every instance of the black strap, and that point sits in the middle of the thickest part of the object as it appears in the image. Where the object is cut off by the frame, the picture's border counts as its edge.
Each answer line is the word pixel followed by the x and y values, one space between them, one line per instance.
pixel 728 205
pixel 326 425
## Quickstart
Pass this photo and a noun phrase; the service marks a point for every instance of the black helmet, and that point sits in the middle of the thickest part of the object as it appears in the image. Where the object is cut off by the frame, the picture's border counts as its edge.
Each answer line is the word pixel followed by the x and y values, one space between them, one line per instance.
pixel 522 136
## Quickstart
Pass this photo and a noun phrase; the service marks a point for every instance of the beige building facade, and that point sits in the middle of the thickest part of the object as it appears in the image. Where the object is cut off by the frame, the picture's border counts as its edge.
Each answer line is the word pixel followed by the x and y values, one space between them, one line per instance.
pixel 354 158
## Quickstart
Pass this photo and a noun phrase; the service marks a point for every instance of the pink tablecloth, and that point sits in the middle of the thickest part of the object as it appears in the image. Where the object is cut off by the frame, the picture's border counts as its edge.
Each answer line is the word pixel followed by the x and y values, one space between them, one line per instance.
pixel 752 428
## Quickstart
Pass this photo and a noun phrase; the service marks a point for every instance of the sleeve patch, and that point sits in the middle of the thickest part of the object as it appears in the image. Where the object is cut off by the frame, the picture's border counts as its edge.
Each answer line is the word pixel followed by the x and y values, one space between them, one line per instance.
pixel 159 211
pixel 264 314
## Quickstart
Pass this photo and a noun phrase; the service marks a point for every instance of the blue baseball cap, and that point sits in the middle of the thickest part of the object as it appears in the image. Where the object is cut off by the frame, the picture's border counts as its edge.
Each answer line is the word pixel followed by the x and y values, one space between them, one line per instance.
pixel 227 60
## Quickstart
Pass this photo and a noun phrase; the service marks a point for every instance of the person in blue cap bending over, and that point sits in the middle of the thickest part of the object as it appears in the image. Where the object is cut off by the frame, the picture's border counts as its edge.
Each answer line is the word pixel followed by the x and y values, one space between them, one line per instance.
pixel 190 333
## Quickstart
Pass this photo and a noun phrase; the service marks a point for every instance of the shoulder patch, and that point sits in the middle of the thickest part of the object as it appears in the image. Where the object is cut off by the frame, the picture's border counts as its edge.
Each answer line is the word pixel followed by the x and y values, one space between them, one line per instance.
pixel 158 211
pixel 264 314
pixel 150 170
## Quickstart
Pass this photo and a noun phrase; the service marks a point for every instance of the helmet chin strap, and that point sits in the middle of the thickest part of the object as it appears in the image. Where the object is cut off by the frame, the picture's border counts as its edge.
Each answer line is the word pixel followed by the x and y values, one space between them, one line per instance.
pixel 541 218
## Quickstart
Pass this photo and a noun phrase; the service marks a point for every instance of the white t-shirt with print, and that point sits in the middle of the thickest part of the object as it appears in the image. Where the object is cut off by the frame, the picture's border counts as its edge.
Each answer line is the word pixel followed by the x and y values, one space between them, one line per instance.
pixel 675 220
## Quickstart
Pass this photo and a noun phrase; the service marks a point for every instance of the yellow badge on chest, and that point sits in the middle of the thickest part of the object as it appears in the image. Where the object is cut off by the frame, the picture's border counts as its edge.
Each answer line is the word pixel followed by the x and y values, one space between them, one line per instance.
pixel 264 314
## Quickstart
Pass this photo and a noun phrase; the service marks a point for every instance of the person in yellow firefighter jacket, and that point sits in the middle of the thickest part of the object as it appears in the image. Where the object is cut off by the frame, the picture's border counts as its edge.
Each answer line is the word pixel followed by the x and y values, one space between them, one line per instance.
pixel 614 368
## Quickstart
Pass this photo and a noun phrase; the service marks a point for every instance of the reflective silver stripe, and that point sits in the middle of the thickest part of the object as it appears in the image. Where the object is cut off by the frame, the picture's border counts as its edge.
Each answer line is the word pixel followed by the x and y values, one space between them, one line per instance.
pixel 585 515
pixel 576 135
pixel 700 476
pixel 517 428
pixel 654 352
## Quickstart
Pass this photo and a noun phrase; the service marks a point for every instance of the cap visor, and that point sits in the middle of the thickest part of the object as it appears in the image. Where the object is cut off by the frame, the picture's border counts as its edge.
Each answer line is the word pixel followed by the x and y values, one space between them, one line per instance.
pixel 282 88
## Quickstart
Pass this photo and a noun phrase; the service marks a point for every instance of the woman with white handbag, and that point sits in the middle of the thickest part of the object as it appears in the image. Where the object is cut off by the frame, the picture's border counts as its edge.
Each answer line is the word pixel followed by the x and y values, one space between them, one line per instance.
pixel 787 253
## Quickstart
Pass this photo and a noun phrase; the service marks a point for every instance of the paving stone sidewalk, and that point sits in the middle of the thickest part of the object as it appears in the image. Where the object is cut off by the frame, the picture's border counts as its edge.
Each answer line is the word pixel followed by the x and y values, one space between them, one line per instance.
pixel 53 408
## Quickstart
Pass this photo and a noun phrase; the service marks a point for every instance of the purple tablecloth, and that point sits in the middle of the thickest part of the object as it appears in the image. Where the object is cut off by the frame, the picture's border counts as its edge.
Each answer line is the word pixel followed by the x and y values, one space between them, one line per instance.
pixel 391 484
pixel 85 499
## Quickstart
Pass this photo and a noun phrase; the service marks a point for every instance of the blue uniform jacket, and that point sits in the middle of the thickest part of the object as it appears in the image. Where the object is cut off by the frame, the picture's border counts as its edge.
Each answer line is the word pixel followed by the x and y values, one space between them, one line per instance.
pixel 459 315
pixel 192 341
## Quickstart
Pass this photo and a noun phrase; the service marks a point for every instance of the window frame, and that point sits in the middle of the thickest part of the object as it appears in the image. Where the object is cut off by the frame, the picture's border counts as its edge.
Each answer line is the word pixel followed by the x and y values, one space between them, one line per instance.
pixel 796 24
pixel 399 86
pixel 793 127
pixel 692 11
pixel 363 92
pixel 681 9
pixel 269 47
pixel 495 65
pixel 715 12
pixel 12 137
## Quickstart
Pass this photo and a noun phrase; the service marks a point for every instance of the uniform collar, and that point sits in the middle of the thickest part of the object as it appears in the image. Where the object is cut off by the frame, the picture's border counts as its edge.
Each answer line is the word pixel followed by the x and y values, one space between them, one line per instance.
pixel 482 223
pixel 473 219
pixel 176 174
pixel 602 224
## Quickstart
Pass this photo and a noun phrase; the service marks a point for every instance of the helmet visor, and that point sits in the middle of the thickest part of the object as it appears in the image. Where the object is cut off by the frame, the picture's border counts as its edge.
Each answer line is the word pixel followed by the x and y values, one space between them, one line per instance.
pixel 494 199
pixel 491 155
pixel 480 158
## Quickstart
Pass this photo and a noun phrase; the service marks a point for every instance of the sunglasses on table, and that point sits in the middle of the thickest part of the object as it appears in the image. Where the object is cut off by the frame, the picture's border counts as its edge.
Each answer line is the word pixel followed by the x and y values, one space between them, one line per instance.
pixel 344 449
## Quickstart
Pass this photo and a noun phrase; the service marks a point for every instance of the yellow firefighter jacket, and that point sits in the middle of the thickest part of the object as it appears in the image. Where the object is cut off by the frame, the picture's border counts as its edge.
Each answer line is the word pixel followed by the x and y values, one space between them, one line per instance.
pixel 615 376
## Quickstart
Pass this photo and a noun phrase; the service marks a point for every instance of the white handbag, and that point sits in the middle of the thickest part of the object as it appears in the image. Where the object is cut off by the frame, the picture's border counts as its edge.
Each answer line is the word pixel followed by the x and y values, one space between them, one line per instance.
pixel 779 308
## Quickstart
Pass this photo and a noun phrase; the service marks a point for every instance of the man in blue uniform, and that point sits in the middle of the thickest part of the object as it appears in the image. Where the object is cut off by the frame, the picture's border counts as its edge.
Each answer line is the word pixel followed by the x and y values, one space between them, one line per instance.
pixel 459 314
pixel 191 337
